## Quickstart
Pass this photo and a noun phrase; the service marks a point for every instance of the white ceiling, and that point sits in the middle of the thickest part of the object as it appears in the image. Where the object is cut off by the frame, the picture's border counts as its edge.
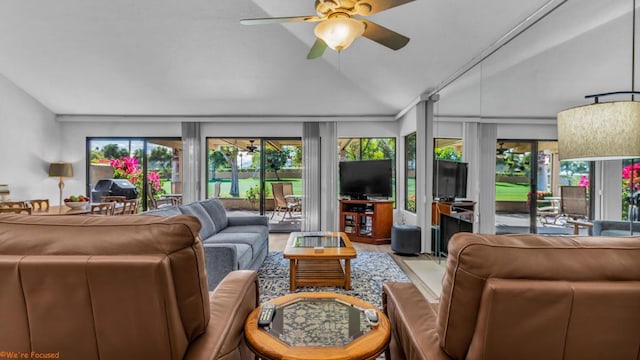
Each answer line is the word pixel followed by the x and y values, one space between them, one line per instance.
pixel 192 57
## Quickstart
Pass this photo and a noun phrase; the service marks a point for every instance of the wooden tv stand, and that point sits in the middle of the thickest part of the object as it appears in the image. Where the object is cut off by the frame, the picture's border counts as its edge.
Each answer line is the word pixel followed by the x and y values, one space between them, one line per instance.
pixel 445 208
pixel 367 221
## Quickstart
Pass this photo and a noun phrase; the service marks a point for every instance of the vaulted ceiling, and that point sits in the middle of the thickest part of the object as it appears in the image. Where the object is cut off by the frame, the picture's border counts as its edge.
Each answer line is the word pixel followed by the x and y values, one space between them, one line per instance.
pixel 193 57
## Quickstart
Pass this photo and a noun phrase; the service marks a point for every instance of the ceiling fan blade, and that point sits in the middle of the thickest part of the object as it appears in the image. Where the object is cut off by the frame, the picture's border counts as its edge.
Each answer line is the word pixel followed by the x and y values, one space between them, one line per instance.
pixel 384 36
pixel 277 20
pixel 317 49
pixel 381 5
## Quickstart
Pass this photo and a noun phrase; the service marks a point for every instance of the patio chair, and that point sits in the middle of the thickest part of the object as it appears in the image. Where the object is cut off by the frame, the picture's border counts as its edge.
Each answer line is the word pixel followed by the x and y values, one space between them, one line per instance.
pixel 575 207
pixel 573 202
pixel 293 202
pixel 280 202
pixel 550 211
pixel 155 203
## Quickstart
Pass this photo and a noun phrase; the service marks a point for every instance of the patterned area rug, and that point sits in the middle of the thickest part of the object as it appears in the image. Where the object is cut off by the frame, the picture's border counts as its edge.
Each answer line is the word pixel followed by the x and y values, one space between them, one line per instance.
pixel 368 271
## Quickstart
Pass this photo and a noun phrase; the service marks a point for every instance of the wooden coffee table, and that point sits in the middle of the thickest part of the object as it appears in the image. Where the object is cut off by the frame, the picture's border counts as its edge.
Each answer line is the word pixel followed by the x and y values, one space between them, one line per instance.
pixel 318 325
pixel 315 259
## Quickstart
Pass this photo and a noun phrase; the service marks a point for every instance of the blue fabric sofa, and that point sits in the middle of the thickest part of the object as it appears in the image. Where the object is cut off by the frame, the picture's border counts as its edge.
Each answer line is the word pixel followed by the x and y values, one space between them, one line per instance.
pixel 230 242
pixel 614 228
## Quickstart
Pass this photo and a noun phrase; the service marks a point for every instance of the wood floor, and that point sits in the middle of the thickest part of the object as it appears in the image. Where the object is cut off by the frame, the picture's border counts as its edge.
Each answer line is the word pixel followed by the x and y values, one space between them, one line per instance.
pixel 277 242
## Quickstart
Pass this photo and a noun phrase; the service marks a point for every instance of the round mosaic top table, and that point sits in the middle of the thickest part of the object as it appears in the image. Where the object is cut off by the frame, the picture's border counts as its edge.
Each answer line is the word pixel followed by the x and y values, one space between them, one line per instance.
pixel 318 325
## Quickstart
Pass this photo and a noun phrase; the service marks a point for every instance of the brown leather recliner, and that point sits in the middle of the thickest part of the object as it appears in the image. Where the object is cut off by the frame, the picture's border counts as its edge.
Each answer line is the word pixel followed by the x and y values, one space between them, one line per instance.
pixel 116 287
pixel 524 297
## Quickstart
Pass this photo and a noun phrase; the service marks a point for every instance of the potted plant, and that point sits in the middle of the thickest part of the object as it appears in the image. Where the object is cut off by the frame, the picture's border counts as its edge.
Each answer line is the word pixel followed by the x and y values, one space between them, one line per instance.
pixel 253 194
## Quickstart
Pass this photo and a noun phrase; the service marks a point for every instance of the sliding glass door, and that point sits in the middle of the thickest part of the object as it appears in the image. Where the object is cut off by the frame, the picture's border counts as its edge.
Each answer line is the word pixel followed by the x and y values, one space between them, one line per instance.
pixel 241 173
pixel 529 178
pixel 514 181
pixel 152 165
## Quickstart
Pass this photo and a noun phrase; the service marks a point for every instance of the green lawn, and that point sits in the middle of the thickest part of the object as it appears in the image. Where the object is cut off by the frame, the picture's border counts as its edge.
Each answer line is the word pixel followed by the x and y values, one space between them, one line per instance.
pixel 511 191
pixel 245 184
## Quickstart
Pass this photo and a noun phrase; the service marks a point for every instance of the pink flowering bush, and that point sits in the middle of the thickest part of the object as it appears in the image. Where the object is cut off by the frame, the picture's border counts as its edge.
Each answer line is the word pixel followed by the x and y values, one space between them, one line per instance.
pixel 629 172
pixel 584 181
pixel 129 168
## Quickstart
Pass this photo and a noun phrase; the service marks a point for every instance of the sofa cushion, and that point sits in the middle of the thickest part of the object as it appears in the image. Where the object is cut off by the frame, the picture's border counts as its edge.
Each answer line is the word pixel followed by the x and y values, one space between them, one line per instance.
pixel 261 230
pixel 195 209
pixel 254 240
pixel 216 212
pixel 245 255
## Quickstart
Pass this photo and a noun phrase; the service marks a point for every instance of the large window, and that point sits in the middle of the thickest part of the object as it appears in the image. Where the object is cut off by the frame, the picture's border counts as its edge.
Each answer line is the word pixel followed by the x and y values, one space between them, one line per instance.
pixel 370 149
pixel 262 175
pixel 410 172
pixel 151 165
pixel 447 149
pixel 630 186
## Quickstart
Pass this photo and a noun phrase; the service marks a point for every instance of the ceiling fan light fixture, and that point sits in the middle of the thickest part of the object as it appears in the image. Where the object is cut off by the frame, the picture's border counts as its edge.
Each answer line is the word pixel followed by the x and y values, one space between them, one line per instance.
pixel 339 31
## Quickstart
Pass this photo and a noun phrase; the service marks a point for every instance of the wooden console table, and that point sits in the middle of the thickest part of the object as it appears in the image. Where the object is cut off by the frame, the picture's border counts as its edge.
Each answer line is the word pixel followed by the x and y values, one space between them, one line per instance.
pixel 367 221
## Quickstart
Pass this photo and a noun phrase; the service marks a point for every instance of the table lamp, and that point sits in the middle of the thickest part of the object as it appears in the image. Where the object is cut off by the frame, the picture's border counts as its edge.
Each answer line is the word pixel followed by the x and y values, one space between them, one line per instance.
pixel 61 170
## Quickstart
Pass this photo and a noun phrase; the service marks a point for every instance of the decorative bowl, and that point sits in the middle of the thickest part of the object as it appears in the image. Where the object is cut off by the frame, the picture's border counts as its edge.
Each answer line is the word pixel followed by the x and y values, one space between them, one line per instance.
pixel 76 205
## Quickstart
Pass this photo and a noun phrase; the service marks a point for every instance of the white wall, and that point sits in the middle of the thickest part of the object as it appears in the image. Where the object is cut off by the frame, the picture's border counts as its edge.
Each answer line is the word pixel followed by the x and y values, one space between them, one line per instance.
pixel 367 129
pixel 75 134
pixel 251 129
pixel 30 140
pixel 407 124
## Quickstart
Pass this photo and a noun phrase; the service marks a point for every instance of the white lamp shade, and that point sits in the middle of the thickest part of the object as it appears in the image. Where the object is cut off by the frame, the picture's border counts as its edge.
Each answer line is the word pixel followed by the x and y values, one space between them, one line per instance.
pixel 600 131
pixel 339 32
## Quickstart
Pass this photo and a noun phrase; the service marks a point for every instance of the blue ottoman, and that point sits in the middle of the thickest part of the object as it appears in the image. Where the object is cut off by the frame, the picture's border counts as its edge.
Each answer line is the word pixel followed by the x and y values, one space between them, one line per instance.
pixel 405 239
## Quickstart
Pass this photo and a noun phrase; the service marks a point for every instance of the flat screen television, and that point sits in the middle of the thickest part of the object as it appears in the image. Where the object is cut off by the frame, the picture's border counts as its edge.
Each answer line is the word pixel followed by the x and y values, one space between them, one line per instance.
pixel 366 178
pixel 449 180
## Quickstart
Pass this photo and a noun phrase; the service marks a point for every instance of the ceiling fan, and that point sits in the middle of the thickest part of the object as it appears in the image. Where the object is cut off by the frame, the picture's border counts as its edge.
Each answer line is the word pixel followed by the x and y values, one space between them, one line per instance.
pixel 338 26
pixel 251 148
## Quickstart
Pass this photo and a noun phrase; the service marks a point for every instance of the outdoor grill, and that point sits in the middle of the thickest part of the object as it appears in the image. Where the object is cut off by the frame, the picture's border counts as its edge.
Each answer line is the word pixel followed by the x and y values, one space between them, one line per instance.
pixel 113 187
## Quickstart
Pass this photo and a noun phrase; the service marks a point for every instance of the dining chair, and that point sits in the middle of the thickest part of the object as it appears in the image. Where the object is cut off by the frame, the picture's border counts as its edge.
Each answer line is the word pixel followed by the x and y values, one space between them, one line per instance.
pixel 13 204
pixel 128 207
pixel 39 204
pixel 113 198
pixel 103 208
pixel 15 210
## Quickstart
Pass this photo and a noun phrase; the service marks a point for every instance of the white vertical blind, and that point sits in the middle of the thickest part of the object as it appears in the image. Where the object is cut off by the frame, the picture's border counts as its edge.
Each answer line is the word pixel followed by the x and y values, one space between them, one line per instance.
pixel 311 162
pixel 191 161
pixel 329 176
pixel 424 167
pixel 486 207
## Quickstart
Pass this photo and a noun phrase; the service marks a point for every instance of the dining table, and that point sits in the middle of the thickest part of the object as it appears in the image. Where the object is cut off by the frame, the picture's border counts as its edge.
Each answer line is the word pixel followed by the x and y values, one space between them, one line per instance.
pixel 61 210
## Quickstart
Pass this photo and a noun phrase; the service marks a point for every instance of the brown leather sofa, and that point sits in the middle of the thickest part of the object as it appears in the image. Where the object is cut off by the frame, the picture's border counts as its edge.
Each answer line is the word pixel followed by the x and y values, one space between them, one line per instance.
pixel 524 297
pixel 117 287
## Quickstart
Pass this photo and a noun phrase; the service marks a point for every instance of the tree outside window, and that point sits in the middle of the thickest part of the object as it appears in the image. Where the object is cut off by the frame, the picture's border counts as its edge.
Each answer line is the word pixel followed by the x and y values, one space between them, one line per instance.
pixel 410 172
